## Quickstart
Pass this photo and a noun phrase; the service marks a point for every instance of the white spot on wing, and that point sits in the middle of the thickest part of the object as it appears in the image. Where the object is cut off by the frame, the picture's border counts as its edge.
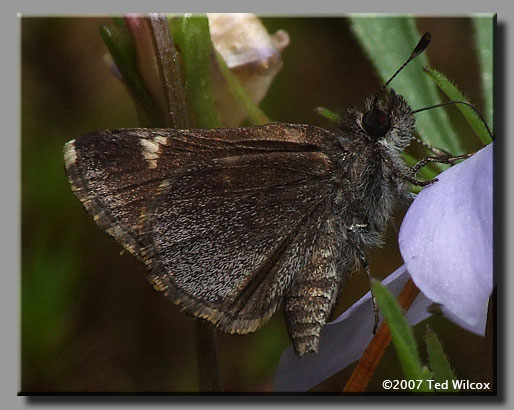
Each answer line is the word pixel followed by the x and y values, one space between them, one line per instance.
pixel 159 139
pixel 149 146
pixel 70 155
pixel 151 149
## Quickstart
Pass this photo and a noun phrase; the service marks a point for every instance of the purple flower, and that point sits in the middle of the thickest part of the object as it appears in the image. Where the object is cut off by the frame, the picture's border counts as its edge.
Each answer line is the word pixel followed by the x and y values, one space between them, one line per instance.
pixel 446 242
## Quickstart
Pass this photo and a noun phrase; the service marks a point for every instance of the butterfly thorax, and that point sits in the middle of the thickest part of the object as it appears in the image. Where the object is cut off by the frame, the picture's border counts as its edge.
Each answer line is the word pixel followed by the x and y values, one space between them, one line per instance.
pixel 370 170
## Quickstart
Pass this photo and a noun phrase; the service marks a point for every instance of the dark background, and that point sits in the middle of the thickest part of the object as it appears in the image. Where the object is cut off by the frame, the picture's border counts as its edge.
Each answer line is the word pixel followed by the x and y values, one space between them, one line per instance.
pixel 90 320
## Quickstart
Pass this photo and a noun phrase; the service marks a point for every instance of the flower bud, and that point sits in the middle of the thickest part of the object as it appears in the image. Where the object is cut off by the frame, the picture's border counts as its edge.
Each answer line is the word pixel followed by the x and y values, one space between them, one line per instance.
pixel 252 55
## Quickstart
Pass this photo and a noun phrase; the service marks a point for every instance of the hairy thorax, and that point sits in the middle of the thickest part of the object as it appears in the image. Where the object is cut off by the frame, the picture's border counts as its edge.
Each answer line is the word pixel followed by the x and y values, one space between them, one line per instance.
pixel 369 185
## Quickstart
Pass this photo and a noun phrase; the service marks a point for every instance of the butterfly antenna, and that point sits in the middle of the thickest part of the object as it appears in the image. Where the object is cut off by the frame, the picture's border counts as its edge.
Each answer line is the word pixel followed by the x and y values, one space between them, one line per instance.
pixel 420 47
pixel 459 102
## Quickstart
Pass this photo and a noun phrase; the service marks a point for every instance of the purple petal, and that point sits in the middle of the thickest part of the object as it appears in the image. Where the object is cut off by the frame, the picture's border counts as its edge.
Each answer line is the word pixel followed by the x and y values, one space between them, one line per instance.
pixel 446 240
pixel 343 341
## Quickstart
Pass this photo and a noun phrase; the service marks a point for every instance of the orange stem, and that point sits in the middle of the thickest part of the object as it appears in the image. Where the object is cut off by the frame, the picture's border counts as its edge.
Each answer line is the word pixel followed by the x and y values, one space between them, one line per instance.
pixel 375 351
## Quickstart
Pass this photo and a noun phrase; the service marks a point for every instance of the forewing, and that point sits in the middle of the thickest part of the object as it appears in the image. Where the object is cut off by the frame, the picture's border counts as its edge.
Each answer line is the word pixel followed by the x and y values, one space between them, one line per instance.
pixel 116 173
pixel 226 237
pixel 108 172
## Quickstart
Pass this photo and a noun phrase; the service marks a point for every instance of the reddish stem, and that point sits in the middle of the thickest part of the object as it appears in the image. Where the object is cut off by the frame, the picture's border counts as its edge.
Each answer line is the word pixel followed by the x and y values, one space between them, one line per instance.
pixel 375 351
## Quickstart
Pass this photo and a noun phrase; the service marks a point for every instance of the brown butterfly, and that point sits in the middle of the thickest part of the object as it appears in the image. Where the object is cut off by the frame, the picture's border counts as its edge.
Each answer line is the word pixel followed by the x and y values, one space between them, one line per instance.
pixel 231 223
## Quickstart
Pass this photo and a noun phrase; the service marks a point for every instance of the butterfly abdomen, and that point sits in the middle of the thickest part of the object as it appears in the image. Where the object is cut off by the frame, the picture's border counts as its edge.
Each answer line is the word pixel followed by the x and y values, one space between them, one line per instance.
pixel 314 291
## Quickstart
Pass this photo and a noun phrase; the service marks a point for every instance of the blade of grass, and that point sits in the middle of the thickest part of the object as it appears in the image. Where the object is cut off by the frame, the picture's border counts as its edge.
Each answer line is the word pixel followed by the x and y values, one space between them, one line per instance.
pixel 438 361
pixel 402 336
pixel 454 94
pixel 371 358
pixel 119 43
pixel 191 34
pixel 484 35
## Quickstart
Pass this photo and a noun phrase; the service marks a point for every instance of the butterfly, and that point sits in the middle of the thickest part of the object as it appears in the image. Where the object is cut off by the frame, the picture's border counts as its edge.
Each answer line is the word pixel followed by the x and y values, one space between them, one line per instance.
pixel 234 223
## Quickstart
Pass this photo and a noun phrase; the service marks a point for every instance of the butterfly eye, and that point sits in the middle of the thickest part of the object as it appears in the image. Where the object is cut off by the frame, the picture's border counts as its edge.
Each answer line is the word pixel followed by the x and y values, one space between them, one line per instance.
pixel 376 123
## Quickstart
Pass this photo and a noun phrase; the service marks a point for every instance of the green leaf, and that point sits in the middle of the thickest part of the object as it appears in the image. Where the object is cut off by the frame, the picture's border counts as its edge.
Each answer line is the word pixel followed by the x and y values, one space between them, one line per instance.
pixel 454 94
pixel 255 115
pixel 117 39
pixel 192 36
pixel 402 336
pixel 484 38
pixel 388 42
pixel 441 369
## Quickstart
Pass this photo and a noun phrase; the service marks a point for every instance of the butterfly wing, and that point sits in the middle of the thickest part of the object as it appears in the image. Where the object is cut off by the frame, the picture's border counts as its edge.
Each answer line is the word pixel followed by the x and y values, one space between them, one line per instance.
pixel 225 239
pixel 115 173
pixel 221 217
pixel 109 174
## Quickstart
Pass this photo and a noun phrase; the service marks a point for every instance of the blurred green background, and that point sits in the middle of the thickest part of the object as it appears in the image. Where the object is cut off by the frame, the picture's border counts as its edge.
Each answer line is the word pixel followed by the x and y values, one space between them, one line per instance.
pixel 90 320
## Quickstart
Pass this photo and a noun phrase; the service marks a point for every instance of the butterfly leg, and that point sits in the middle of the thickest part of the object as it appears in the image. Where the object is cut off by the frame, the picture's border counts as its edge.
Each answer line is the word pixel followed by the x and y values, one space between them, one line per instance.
pixel 411 176
pixel 443 160
pixel 364 263
pixel 437 151
pixel 417 182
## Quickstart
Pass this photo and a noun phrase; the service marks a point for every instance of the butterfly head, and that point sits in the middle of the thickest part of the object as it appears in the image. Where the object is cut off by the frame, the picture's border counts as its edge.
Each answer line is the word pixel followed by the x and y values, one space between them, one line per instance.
pixel 387 108
pixel 389 120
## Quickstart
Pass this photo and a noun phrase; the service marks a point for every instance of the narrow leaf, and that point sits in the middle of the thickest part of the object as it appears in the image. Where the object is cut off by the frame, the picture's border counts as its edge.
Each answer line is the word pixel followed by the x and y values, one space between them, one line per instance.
pixel 374 353
pixel 401 334
pixel 191 33
pixel 439 364
pixel 454 94
pixel 484 35
pixel 118 41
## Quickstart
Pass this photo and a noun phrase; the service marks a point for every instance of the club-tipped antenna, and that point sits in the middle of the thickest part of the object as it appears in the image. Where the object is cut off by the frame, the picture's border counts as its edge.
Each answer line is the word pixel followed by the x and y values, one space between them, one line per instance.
pixel 420 47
